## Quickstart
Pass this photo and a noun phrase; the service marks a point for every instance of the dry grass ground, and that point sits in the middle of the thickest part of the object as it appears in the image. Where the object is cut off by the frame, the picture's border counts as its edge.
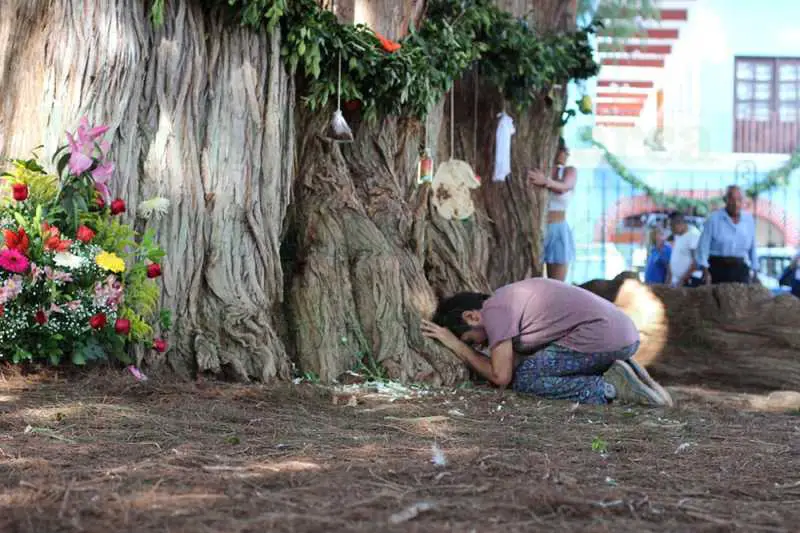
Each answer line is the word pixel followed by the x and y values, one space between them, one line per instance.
pixel 102 453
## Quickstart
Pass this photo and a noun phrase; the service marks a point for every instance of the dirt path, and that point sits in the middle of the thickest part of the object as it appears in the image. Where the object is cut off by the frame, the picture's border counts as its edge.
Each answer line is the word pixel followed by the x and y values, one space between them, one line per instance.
pixel 103 453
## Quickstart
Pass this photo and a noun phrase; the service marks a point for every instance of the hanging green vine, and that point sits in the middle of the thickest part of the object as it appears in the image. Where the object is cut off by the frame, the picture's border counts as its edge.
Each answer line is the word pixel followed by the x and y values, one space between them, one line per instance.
pixel 775 178
pixel 408 77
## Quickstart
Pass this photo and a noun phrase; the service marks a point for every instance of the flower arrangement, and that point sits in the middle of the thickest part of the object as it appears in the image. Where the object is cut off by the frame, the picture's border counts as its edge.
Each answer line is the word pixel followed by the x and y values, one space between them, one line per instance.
pixel 76 283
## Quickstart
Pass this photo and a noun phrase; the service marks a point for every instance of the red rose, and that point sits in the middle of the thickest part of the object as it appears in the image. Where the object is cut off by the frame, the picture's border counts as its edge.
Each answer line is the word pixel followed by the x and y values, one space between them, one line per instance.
pixel 20 191
pixel 98 321
pixel 160 345
pixel 100 202
pixel 153 270
pixel 122 326
pixel 40 317
pixel 2 310
pixel 117 206
pixel 85 234
pixel 352 105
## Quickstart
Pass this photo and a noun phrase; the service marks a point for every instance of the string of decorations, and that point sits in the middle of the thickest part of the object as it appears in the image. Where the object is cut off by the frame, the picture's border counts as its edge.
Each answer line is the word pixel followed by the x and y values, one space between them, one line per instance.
pixel 407 77
pixel 775 178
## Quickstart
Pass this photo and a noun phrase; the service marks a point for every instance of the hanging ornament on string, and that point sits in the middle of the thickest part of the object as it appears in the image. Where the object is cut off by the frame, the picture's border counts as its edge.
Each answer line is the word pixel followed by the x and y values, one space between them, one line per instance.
pixel 585 102
pixel 453 181
pixel 425 167
pixel 475 110
pixel 339 130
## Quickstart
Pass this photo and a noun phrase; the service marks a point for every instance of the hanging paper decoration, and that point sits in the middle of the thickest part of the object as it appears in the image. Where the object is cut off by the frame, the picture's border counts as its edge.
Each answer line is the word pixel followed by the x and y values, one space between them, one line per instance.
pixel 425 170
pixel 502 152
pixel 451 190
pixel 339 130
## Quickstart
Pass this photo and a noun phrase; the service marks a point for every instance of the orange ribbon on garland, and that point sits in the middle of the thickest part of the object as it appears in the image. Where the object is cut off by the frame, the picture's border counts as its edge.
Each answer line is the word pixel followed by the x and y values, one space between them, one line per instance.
pixel 387 44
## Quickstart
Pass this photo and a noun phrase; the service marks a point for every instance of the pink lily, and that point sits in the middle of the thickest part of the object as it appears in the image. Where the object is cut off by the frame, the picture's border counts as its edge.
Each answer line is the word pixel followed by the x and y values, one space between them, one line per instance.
pixel 79 162
pixel 36 271
pixel 88 135
pixel 102 173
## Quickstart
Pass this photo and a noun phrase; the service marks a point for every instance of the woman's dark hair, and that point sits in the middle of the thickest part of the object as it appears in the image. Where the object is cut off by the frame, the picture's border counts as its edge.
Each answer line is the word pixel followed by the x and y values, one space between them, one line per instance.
pixel 450 312
pixel 677 218
pixel 562 144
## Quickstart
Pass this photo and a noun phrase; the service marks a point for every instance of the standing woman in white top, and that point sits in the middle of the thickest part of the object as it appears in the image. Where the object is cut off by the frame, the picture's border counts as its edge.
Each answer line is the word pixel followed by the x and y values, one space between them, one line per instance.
pixel 559 246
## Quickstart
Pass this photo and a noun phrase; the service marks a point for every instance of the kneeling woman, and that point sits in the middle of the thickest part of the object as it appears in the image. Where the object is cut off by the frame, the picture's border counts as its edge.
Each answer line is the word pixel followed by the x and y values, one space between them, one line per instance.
pixel 550 339
pixel 559 246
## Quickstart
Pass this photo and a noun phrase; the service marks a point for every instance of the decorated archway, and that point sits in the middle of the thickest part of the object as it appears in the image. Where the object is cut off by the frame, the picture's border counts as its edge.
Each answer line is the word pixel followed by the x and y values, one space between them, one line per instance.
pixel 776 226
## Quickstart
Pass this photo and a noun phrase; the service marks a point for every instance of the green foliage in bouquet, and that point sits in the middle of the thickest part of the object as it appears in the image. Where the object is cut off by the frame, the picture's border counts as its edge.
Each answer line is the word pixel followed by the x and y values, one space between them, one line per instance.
pixel 76 282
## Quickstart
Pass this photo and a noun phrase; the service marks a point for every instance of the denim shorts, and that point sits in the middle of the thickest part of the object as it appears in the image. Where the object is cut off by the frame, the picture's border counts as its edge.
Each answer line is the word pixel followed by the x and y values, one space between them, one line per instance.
pixel 559 246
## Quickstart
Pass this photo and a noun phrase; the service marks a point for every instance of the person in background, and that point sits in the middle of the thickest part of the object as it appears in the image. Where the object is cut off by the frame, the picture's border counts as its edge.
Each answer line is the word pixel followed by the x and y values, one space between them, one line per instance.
pixel 683 271
pixel 559 246
pixel 550 339
pixel 726 250
pixel 791 276
pixel 658 257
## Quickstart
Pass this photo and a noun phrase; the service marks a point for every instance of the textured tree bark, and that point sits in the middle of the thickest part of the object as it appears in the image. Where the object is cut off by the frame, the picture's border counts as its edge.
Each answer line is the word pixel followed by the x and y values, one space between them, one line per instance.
pixel 359 289
pixel 201 113
pixel 511 220
pixel 369 255
pixel 512 212
pixel 729 337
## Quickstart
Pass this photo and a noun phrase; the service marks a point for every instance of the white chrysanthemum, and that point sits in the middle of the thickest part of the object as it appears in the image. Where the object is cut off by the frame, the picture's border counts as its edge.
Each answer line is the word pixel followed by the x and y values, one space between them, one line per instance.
pixel 154 207
pixel 68 260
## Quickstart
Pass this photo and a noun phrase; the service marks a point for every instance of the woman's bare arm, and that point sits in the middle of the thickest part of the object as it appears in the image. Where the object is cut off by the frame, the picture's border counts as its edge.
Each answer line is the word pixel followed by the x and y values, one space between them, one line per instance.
pixel 570 179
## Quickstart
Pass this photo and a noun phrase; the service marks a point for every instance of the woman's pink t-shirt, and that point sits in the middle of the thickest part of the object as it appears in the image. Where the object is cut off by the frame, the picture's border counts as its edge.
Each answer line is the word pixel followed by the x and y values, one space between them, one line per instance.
pixel 536 312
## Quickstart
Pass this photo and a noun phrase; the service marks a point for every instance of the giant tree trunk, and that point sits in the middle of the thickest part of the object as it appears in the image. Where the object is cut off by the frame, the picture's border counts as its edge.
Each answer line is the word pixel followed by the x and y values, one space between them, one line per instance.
pixel 730 337
pixel 510 220
pixel 201 112
pixel 369 255
pixel 359 289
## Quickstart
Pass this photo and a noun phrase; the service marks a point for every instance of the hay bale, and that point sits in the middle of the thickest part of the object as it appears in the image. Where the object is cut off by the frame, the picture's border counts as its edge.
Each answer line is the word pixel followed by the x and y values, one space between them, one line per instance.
pixel 733 337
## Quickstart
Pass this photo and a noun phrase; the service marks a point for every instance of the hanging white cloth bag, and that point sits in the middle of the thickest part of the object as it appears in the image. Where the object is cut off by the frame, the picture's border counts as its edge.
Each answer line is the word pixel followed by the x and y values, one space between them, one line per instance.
pixel 502 152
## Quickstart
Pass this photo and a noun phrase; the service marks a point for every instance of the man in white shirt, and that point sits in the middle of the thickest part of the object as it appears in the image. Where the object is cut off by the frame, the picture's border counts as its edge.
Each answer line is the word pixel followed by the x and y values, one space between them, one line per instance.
pixel 683 271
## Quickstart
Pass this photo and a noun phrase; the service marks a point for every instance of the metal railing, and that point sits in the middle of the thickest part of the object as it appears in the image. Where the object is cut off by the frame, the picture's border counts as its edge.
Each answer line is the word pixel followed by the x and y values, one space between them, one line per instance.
pixel 611 220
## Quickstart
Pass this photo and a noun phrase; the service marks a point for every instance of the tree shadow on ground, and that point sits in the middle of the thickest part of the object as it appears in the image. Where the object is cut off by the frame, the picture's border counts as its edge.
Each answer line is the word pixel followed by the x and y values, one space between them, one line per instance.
pixel 103 452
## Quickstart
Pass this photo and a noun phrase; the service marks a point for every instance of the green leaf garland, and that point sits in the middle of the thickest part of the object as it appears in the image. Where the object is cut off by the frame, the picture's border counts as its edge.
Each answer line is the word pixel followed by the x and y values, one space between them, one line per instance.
pixel 775 178
pixel 455 36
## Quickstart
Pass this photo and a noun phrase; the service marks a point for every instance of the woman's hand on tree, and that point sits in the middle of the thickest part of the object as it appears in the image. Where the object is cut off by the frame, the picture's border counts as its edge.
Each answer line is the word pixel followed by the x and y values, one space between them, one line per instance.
pixel 537 177
pixel 441 334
